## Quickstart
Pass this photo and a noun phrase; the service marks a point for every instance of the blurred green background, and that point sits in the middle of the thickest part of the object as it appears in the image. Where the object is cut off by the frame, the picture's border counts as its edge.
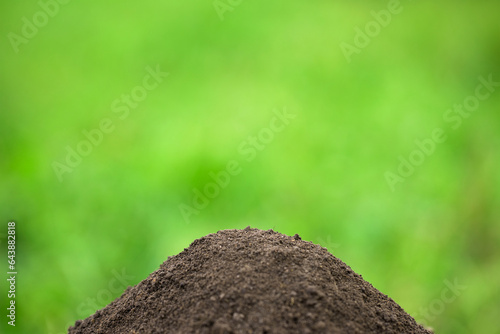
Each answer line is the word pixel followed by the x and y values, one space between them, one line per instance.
pixel 117 213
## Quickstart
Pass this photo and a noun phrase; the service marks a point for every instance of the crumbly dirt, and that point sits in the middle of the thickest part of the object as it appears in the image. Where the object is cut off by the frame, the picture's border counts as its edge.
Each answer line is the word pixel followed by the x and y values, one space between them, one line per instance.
pixel 251 281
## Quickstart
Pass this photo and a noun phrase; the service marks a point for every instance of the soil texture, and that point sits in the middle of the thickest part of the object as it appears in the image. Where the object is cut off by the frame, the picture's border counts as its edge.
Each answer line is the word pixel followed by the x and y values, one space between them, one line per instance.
pixel 251 281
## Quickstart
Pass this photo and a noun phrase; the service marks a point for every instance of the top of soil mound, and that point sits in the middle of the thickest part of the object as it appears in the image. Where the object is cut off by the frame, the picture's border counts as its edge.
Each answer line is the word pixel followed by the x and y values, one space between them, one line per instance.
pixel 251 281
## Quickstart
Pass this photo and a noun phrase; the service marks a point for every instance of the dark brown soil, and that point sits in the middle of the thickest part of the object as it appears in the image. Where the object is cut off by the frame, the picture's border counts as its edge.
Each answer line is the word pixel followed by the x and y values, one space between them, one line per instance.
pixel 251 281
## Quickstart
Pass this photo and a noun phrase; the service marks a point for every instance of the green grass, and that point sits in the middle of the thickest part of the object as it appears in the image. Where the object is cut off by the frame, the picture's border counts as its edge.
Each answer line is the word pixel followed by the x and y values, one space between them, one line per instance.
pixel 321 177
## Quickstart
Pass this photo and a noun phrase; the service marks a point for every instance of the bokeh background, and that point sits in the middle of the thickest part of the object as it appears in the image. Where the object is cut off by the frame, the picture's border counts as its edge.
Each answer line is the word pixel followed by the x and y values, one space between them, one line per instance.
pixel 117 213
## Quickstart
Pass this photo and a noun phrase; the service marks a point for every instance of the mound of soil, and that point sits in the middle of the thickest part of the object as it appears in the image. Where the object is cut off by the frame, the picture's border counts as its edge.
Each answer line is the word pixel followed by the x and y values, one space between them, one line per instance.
pixel 251 281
